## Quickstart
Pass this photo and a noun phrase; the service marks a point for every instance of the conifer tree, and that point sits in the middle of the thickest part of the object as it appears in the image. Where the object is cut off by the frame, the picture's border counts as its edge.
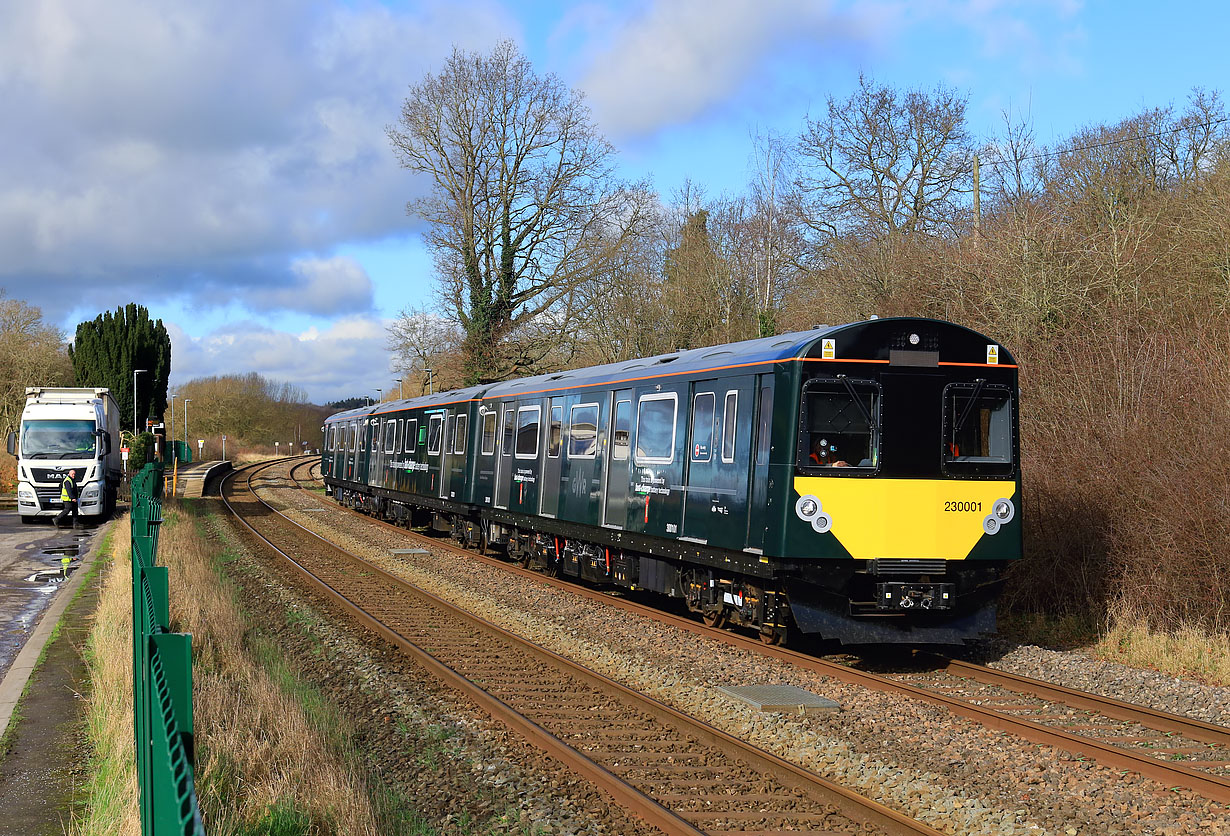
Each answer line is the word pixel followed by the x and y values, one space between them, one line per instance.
pixel 106 350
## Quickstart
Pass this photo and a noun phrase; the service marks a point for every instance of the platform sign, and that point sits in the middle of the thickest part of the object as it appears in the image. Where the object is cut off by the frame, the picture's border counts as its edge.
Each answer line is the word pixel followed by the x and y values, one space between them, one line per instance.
pixel 200 445
pixel 124 453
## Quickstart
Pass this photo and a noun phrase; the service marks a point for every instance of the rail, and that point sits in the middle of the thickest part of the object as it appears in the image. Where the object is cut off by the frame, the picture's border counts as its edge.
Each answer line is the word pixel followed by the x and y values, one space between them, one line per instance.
pixel 162 678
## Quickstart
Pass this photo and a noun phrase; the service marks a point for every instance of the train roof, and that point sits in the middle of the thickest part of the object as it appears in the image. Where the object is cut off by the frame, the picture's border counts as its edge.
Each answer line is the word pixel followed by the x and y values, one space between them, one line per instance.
pixel 880 334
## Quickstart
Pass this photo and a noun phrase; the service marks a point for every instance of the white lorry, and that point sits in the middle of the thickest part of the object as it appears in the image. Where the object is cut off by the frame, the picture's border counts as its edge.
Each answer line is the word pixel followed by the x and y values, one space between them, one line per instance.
pixel 63 430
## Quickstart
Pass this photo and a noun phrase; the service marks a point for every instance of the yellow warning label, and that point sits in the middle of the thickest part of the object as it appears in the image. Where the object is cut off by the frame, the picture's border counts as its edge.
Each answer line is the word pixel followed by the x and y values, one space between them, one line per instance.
pixel 828 350
pixel 992 355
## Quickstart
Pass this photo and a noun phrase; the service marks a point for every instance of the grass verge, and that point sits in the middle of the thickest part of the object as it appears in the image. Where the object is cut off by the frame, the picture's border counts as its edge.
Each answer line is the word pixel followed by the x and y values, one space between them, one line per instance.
pixel 272 755
pixel 1190 652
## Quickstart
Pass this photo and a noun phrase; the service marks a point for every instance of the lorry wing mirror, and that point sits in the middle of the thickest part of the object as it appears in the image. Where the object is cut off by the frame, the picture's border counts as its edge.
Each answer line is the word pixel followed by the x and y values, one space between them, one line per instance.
pixel 12 448
pixel 105 438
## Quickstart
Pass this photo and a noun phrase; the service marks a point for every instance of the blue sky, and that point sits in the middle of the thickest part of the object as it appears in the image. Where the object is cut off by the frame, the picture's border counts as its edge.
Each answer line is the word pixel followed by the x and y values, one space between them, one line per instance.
pixel 225 163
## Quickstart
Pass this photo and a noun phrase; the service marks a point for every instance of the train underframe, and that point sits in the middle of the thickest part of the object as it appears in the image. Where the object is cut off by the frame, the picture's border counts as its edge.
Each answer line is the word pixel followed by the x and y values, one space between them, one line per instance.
pixel 837 600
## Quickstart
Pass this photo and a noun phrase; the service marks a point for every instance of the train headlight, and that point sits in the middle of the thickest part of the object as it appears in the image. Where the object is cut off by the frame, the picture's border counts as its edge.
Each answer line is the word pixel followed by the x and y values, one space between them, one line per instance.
pixel 822 523
pixel 807 508
pixel 1004 510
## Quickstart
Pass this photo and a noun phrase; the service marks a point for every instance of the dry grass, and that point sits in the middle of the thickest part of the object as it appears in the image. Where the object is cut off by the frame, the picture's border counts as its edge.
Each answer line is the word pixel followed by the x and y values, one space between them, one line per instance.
pixel 112 808
pixel 1183 651
pixel 270 758
pixel 262 753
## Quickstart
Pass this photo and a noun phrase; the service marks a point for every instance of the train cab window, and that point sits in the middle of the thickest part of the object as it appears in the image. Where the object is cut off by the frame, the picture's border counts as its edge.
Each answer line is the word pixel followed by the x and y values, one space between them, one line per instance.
pixel 978 429
pixel 390 437
pixel 527 431
pixel 621 441
pixel 488 432
pixel 729 419
pixel 459 435
pixel 555 435
pixel 655 429
pixel 510 418
pixel 703 413
pixel 412 432
pixel 583 431
pixel 840 426
pixel 435 430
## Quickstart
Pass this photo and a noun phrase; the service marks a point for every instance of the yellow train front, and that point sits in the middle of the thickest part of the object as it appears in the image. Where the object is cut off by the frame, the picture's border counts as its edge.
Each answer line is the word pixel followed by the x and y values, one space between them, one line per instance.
pixel 903 504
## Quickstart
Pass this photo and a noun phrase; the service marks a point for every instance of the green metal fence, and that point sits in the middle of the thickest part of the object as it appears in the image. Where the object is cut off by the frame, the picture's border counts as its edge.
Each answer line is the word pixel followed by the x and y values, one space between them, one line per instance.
pixel 161 676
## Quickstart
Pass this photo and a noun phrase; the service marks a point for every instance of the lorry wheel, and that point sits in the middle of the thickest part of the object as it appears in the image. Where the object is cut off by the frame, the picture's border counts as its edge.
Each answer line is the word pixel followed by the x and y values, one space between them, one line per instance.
pixel 28 520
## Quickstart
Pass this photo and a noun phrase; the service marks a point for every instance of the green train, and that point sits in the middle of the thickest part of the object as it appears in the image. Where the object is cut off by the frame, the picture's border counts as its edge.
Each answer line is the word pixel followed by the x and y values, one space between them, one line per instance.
pixel 860 483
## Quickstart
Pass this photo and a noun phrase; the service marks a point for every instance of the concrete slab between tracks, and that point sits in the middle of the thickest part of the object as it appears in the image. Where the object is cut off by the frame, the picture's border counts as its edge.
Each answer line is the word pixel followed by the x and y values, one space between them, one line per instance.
pixel 784 698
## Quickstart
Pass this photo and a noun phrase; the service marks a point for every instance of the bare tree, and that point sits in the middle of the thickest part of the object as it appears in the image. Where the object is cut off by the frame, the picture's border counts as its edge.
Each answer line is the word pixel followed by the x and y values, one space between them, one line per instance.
pixel 523 205
pixel 881 163
pixel 32 353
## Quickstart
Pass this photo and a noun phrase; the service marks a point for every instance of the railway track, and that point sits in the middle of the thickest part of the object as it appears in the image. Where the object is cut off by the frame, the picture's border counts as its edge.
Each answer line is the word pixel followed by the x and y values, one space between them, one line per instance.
pixel 677 773
pixel 1173 750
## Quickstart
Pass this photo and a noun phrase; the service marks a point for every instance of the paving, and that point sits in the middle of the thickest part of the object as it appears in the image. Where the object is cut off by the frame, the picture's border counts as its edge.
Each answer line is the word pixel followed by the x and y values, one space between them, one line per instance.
pixel 195 478
pixel 35 586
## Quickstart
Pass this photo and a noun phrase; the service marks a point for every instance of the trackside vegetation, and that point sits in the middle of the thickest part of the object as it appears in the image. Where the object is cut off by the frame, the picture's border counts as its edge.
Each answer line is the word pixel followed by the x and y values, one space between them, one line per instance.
pixel 271 758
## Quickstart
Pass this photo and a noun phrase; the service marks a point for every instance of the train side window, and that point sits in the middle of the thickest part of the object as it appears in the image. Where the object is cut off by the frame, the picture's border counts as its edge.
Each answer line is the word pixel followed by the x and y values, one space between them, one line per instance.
pixel 622 440
pixel 840 424
pixel 510 417
pixel 354 439
pixel 390 436
pixel 527 431
pixel 412 431
pixel 459 435
pixel 655 428
pixel 703 409
pixel 450 433
pixel 488 447
pixel 555 436
pixel 435 429
pixel 729 420
pixel 583 431
pixel 363 434
pixel 978 429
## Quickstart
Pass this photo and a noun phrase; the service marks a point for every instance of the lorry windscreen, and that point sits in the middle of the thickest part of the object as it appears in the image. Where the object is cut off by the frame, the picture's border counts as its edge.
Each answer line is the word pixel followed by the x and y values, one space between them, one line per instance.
pixel 57 439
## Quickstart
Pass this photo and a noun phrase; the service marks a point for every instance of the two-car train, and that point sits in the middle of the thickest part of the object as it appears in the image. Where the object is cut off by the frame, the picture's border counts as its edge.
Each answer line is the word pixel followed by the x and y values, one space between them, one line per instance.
pixel 859 482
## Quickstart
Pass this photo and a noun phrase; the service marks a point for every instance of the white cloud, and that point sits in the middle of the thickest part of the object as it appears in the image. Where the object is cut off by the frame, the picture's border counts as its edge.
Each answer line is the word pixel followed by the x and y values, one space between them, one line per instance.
pixel 324 286
pixel 679 58
pixel 346 359
pixel 191 147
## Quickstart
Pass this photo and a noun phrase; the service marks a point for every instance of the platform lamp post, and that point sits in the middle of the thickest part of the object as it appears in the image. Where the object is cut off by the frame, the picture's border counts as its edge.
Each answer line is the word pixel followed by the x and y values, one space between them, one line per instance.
pixel 379 395
pixel 397 380
pixel 429 386
pixel 186 402
pixel 135 372
pixel 174 452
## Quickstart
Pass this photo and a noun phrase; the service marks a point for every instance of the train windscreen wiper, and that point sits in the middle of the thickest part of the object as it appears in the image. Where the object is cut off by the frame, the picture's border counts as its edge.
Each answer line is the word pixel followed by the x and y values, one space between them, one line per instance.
pixel 969 407
pixel 857 400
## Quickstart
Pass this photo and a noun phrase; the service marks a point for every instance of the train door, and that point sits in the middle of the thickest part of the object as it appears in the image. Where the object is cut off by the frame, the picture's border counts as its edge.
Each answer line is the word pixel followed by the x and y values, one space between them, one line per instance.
pixel 504 464
pixel 758 519
pixel 486 459
pixel 615 506
pixel 548 493
pixel 715 510
pixel 433 454
pixel 527 452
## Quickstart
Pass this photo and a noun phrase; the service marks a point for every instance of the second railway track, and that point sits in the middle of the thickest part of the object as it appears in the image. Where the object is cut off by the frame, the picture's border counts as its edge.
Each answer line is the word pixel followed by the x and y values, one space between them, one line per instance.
pixel 681 775
pixel 1170 749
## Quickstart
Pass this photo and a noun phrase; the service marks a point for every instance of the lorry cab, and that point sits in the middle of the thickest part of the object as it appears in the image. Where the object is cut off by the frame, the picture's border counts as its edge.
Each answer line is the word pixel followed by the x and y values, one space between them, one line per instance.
pixel 63 430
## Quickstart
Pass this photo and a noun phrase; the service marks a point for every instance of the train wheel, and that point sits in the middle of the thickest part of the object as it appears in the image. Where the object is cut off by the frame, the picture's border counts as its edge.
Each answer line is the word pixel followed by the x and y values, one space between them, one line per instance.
pixel 714 618
pixel 773 636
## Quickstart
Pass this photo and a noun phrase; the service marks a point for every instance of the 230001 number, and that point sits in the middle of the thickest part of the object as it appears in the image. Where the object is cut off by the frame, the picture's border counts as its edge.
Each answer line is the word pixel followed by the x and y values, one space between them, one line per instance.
pixel 971 507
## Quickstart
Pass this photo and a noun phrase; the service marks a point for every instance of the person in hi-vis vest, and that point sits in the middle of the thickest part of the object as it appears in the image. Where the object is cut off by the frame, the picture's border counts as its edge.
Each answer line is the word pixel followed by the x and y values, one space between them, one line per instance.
pixel 68 495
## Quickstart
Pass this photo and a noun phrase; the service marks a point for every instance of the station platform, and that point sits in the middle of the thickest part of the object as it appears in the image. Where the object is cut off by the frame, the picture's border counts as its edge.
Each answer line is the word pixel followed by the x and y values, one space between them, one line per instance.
pixel 195 479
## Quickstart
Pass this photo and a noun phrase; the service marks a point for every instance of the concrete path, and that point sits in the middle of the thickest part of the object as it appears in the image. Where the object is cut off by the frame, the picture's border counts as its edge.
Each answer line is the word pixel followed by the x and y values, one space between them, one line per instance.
pixel 33 594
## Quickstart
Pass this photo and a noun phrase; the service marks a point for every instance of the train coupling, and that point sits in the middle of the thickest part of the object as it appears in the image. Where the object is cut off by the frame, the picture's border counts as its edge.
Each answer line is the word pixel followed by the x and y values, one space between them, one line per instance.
pixel 923 596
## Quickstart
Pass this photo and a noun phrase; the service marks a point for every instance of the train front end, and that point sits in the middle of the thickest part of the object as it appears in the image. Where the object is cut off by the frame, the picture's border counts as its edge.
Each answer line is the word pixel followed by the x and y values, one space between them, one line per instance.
pixel 905 501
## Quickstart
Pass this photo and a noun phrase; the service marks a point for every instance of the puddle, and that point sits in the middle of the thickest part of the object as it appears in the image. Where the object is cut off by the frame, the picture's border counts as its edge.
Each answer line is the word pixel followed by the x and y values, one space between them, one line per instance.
pixel 70 551
pixel 51 576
